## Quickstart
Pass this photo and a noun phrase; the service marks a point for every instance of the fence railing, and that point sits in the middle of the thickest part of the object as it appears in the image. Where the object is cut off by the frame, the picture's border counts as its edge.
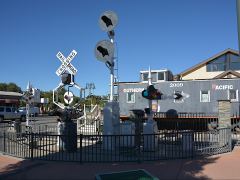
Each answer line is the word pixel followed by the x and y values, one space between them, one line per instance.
pixel 193 121
pixel 87 129
pixel 22 128
pixel 117 148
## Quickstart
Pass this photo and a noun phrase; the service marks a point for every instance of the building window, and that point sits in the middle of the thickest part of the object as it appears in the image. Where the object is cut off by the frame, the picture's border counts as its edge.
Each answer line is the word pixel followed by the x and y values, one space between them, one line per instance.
pixel 233 95
pixel 153 76
pixel 204 96
pixel 224 63
pixel 130 97
pixel 219 64
pixel 144 76
pixel 160 76
pixel 178 100
pixel 1 109
pixel 234 62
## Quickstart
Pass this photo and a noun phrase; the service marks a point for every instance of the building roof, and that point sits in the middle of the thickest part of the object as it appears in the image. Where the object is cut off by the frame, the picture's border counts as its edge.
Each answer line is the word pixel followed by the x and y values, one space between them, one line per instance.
pixel 135 82
pixel 159 70
pixel 6 93
pixel 199 65
pixel 229 72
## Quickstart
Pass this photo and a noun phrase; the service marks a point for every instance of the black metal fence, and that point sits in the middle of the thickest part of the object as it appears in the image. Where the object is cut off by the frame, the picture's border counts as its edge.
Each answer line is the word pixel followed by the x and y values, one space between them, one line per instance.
pixel 118 148
pixel 50 128
pixel 93 127
pixel 193 121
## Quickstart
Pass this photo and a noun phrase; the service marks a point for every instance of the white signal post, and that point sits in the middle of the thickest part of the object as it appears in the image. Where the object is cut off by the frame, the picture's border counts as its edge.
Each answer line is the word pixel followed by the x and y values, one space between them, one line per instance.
pixel 107 22
pixel 28 97
pixel 112 78
pixel 69 142
pixel 104 52
pixel 150 117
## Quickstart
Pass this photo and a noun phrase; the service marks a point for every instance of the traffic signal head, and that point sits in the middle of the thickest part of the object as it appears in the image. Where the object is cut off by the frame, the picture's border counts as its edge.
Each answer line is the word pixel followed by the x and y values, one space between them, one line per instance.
pixel 154 94
pixel 145 94
pixel 67 78
pixel 151 93
pixel 157 95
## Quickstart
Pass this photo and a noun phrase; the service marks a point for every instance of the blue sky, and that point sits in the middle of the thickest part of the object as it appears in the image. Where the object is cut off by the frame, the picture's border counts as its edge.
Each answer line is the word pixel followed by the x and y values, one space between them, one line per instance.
pixel 173 34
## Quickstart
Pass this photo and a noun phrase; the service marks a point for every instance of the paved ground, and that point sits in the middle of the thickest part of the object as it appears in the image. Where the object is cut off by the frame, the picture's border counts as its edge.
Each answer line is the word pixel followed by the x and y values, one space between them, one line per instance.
pixel 224 166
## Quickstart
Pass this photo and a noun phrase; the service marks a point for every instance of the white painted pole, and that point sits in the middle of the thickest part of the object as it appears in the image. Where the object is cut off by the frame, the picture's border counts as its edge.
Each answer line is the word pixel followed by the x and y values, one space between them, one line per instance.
pixel 150 101
pixel 111 84
pixel 112 77
pixel 29 88
pixel 27 113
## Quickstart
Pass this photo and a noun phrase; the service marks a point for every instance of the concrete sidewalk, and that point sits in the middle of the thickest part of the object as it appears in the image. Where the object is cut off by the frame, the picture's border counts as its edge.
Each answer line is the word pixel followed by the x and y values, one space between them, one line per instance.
pixel 224 166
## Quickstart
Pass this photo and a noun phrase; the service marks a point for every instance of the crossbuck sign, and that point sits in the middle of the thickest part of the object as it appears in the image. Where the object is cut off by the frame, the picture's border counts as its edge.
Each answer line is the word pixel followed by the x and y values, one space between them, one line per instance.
pixel 66 63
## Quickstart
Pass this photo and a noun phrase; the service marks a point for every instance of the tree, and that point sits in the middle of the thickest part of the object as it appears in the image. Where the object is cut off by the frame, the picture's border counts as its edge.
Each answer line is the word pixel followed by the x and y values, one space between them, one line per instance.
pixel 11 87
pixel 3 87
pixel 93 99
pixel 48 95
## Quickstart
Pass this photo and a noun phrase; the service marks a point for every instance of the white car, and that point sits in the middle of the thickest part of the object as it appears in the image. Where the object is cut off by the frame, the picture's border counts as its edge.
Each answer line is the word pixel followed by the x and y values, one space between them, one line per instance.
pixel 33 111
pixel 10 113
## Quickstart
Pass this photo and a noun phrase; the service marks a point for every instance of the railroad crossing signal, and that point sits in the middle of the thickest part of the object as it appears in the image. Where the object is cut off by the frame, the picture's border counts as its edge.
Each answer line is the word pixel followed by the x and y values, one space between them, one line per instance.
pixel 66 63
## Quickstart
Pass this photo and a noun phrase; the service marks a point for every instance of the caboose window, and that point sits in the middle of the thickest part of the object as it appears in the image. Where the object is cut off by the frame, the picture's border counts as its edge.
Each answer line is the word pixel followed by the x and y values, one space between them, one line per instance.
pixel 233 95
pixel 130 97
pixel 204 96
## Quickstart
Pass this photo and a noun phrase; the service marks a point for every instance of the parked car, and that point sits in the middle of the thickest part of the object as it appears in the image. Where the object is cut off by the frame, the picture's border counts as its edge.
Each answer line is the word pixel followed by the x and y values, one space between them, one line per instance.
pixel 10 113
pixel 33 111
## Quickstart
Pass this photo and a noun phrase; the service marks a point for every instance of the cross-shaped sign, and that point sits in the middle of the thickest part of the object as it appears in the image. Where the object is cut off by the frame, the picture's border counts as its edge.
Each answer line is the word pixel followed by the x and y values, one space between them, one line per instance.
pixel 66 65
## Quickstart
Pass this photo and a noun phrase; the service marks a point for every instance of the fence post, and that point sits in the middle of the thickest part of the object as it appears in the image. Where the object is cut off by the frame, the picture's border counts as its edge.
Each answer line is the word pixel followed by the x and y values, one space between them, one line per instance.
pixel 192 137
pixel 31 145
pixel 229 139
pixel 4 141
pixel 139 147
pixel 81 137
